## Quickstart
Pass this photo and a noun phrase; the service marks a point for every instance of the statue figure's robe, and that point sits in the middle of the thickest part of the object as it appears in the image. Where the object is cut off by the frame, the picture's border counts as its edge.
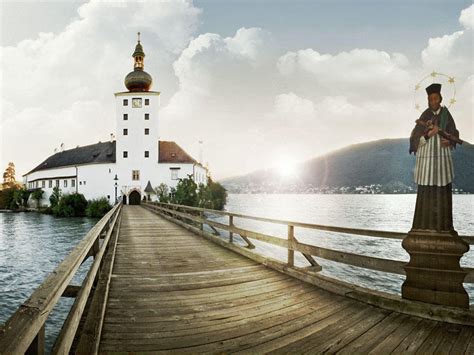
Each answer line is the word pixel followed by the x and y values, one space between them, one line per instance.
pixel 434 173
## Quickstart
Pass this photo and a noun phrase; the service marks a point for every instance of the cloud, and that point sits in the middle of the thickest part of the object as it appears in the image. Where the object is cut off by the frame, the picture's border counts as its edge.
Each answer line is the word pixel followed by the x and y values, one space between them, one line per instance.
pixel 467 17
pixel 246 98
pixel 47 81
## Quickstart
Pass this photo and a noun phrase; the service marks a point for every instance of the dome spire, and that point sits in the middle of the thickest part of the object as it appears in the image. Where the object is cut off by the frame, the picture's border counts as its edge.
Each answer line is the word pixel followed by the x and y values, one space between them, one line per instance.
pixel 139 55
pixel 138 79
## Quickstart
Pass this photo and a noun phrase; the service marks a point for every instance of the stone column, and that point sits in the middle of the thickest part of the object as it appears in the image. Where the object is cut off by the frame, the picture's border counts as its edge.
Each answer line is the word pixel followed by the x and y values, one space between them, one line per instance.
pixel 433 274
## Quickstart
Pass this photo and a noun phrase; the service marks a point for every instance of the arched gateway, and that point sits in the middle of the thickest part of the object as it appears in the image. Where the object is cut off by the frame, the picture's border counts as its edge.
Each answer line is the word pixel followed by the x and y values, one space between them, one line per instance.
pixel 134 198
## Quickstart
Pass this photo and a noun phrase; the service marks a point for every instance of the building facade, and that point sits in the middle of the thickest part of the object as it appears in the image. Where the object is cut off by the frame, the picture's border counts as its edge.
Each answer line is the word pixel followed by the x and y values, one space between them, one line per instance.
pixel 128 167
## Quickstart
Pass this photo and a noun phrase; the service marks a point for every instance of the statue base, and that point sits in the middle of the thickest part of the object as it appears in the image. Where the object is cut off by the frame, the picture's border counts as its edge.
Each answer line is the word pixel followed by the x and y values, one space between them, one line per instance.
pixel 434 274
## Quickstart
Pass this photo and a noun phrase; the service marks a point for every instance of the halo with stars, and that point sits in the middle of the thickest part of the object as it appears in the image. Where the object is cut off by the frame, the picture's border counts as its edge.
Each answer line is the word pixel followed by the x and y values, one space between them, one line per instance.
pixel 435 77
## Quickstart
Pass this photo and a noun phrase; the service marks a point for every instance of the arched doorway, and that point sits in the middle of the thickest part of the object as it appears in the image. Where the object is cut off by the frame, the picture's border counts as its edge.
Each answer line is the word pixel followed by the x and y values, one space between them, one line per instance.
pixel 134 198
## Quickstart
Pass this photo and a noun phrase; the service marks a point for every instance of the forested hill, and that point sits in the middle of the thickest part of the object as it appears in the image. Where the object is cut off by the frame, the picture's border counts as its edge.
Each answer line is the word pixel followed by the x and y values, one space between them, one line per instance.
pixel 384 163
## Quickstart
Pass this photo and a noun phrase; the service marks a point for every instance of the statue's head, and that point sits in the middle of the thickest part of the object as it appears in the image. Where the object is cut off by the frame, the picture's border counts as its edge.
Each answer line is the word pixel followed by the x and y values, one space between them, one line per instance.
pixel 434 96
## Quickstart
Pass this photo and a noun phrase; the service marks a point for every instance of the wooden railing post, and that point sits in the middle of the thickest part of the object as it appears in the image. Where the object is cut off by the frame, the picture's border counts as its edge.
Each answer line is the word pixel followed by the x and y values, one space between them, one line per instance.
pixel 231 225
pixel 37 345
pixel 201 215
pixel 291 252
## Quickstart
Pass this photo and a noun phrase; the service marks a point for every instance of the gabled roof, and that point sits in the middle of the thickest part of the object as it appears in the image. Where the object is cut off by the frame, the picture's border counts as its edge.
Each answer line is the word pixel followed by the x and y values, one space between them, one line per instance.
pixel 89 154
pixel 170 152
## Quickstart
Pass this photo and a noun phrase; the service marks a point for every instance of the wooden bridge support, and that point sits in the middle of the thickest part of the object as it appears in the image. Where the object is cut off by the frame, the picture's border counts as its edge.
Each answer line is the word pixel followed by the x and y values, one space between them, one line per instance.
pixel 434 274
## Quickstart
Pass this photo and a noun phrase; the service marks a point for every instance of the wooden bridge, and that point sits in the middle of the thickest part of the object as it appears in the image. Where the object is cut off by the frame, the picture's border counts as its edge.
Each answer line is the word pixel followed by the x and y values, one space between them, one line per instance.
pixel 162 280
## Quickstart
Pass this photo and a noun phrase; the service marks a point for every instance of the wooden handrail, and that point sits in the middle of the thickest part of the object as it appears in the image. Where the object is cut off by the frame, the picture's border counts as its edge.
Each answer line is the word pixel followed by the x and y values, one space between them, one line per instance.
pixel 26 325
pixel 364 261
pixel 346 230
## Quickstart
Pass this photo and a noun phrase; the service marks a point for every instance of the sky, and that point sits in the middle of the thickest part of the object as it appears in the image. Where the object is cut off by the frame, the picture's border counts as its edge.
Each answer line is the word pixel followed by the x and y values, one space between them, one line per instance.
pixel 259 82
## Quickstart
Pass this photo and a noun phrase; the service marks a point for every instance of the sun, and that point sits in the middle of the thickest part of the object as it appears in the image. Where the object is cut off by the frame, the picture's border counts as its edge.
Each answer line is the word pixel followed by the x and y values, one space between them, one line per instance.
pixel 286 166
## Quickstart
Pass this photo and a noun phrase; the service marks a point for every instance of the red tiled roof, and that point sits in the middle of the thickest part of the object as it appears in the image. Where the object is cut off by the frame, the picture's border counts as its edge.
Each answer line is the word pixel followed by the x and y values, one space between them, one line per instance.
pixel 170 152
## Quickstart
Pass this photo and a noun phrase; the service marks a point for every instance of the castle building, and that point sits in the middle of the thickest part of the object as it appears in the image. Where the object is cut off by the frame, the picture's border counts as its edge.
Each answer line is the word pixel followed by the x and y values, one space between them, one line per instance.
pixel 128 167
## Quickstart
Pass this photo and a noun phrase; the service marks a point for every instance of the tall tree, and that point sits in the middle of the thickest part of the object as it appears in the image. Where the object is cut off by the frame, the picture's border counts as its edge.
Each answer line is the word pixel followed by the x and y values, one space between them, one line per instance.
pixel 9 176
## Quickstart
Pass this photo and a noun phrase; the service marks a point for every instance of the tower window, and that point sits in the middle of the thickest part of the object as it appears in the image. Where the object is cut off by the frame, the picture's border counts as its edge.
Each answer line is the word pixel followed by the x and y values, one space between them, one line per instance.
pixel 147 102
pixel 147 116
pixel 135 174
pixel 125 102
pixel 125 116
pixel 125 131
pixel 147 131
pixel 147 154
pixel 125 154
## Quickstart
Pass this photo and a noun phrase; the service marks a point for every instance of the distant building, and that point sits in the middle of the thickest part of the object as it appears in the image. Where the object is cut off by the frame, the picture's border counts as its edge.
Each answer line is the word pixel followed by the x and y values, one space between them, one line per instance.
pixel 135 161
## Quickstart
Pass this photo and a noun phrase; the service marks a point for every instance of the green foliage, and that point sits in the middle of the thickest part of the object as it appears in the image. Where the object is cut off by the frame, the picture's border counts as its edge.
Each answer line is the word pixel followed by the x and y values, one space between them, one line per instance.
pixel 24 196
pixel 98 208
pixel 14 198
pixel 37 195
pixel 6 197
pixel 216 195
pixel 55 197
pixel 163 193
pixel 212 196
pixel 72 205
pixel 186 192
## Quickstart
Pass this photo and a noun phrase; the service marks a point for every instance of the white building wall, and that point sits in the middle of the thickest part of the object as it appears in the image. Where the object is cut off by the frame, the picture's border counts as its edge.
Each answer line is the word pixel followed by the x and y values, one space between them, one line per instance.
pixel 91 180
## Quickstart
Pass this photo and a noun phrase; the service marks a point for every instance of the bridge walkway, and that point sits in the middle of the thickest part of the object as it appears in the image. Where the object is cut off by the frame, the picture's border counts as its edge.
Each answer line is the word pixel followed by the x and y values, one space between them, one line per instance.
pixel 173 291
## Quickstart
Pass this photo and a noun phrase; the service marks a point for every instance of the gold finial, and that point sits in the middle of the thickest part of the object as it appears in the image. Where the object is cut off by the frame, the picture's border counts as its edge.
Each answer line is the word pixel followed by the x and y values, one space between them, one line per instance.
pixel 138 37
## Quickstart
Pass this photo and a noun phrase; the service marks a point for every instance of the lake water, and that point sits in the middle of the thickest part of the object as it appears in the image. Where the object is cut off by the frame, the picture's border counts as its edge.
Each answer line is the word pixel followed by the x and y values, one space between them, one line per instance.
pixel 32 245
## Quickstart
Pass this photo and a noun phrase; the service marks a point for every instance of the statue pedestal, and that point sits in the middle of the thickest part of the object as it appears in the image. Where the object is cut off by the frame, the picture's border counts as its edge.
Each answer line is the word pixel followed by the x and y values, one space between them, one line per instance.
pixel 433 274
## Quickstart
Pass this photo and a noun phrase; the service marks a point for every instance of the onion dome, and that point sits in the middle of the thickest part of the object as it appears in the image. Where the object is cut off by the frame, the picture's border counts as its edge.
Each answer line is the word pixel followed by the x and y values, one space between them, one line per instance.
pixel 138 79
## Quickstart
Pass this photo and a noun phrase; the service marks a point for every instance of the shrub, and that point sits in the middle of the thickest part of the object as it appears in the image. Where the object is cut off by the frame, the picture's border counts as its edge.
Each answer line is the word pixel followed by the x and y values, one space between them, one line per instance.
pixel 37 195
pixel 6 197
pixel 55 197
pixel 98 207
pixel 73 205
pixel 186 192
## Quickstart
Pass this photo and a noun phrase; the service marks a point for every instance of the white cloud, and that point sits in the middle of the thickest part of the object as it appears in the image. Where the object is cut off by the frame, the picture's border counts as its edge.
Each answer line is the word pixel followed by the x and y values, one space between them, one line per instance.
pixel 50 83
pixel 249 102
pixel 467 17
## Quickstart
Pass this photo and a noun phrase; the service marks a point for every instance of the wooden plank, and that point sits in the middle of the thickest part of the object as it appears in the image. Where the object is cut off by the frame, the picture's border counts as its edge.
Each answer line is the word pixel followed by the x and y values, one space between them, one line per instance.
pixel 390 343
pixel 465 338
pixel 232 339
pixel 413 341
pixel 371 338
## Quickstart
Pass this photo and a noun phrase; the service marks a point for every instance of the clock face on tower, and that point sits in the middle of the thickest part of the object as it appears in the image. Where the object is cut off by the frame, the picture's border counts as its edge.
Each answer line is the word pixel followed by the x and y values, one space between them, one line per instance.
pixel 136 103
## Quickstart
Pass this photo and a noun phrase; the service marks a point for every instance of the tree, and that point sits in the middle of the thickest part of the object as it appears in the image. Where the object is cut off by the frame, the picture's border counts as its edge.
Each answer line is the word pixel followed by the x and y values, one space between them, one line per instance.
pixel 216 195
pixel 9 180
pixel 55 197
pixel 37 195
pixel 162 192
pixel 186 192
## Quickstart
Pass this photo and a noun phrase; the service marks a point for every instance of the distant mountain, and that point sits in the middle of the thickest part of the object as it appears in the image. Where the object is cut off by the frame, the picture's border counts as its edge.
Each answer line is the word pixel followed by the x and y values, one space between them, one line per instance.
pixel 382 166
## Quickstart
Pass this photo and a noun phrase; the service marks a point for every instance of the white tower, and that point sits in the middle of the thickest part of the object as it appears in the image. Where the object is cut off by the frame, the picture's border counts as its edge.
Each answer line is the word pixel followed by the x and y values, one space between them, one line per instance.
pixel 137 131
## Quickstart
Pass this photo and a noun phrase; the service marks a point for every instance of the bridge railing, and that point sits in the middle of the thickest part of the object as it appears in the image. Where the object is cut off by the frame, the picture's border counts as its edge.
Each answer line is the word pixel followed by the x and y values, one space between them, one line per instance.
pixel 198 216
pixel 24 331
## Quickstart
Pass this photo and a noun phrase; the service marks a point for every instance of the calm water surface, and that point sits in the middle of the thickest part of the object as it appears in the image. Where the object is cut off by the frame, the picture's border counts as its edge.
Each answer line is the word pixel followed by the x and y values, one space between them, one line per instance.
pixel 32 245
